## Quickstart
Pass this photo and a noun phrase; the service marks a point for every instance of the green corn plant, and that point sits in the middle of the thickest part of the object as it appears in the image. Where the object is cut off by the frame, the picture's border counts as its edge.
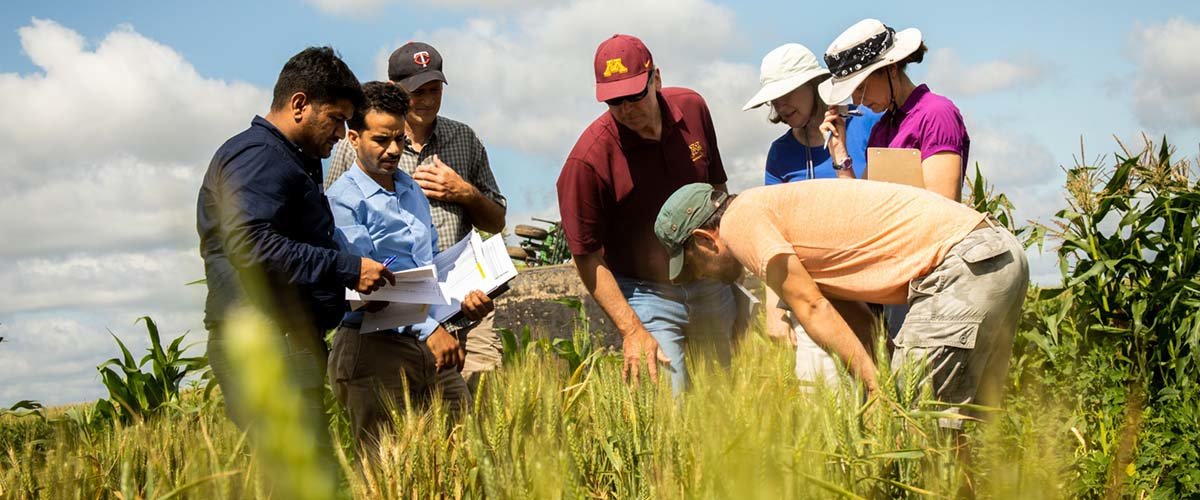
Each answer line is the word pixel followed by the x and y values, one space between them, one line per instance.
pixel 983 198
pixel 580 347
pixel 24 408
pixel 1121 337
pixel 135 394
pixel 516 346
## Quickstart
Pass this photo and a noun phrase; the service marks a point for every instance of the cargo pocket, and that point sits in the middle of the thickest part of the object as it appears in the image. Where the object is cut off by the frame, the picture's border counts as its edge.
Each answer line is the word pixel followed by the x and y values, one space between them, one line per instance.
pixel 960 333
pixel 985 249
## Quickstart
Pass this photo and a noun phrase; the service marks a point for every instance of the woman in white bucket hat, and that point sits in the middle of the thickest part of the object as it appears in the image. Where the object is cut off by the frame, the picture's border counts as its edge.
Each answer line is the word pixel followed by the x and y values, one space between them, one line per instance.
pixel 789 75
pixel 868 63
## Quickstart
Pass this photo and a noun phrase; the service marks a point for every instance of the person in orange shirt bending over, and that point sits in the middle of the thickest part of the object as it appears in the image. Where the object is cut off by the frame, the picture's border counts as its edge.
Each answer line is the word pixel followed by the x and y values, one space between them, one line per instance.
pixel 827 246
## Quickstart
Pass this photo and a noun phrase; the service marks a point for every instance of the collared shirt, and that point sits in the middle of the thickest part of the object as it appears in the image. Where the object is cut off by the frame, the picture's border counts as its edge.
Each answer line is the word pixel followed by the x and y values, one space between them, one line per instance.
pixel 376 223
pixel 788 160
pixel 926 121
pixel 260 206
pixel 858 240
pixel 457 146
pixel 614 182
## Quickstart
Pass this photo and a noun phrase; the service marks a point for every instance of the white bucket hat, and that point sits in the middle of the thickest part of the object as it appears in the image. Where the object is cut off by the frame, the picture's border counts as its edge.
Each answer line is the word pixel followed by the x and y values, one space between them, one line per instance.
pixel 859 51
pixel 783 70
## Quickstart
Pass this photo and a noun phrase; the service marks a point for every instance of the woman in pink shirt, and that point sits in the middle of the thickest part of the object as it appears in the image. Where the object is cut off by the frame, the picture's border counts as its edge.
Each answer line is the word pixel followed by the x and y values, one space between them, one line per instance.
pixel 868 63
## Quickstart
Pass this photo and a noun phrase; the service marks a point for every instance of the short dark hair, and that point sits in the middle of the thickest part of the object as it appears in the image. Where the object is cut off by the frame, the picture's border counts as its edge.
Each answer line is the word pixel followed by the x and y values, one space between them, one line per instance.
pixel 915 58
pixel 321 75
pixel 384 97
pixel 714 220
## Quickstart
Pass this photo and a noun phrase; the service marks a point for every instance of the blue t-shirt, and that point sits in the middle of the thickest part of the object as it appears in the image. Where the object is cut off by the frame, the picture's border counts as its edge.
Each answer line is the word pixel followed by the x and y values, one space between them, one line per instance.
pixel 788 160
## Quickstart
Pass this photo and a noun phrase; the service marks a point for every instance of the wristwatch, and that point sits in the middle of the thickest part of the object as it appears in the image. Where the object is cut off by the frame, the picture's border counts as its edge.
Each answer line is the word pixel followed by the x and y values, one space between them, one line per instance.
pixel 845 164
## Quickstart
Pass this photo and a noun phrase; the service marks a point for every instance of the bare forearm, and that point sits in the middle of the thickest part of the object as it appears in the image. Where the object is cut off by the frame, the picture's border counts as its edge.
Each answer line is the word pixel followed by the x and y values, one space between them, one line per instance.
pixel 861 320
pixel 819 317
pixel 601 283
pixel 827 328
pixel 777 324
pixel 485 213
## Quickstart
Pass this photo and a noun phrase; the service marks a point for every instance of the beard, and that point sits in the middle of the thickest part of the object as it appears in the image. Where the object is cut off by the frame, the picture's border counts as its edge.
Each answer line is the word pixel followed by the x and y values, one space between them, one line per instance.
pixel 730 271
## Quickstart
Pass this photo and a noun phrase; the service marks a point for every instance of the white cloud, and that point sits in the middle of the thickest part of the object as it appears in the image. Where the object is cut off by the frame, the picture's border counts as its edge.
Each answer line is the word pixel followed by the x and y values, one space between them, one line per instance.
pixel 525 82
pixel 1010 158
pixel 949 75
pixel 1166 89
pixel 128 97
pixel 118 204
pixel 154 278
pixel 97 200
pixel 368 8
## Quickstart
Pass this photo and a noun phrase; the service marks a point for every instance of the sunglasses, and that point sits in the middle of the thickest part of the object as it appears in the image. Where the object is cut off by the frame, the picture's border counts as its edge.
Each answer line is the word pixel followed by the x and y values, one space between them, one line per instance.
pixel 617 101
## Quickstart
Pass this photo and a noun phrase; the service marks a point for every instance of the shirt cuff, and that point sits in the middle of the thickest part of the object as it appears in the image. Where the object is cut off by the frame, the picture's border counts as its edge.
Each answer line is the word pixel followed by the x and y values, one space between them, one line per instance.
pixel 349 266
pixel 425 329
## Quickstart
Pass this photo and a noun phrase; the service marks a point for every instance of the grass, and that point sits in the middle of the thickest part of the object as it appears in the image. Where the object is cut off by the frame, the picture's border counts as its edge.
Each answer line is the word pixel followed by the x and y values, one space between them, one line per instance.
pixel 1103 402
pixel 541 431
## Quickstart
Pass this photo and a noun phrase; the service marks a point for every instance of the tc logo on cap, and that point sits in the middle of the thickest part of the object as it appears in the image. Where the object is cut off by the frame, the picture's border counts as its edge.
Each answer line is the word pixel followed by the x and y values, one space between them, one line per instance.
pixel 421 58
pixel 614 66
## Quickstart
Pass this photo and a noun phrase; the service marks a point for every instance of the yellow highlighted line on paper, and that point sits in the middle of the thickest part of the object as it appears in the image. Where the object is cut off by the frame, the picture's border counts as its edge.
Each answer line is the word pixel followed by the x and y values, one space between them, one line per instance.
pixel 480 268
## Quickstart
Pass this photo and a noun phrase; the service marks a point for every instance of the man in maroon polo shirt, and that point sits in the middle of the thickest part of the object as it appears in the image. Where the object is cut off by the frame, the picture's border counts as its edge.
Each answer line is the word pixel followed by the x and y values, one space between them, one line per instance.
pixel 651 142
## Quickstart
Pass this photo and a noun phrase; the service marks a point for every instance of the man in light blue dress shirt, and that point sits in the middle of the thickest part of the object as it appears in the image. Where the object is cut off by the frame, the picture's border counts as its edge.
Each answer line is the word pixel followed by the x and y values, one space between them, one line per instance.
pixel 381 212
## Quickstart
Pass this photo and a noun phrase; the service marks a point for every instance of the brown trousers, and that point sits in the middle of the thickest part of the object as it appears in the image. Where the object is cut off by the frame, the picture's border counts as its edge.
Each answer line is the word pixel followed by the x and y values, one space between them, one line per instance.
pixel 372 373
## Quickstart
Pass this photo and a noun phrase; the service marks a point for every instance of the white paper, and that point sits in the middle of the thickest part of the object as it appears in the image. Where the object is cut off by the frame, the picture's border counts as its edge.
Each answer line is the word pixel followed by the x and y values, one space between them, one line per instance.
pixel 413 286
pixel 471 264
pixel 437 290
pixel 395 315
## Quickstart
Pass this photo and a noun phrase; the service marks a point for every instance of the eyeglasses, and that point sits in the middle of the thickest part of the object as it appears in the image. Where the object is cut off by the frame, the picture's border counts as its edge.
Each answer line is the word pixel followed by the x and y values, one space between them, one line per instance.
pixel 617 101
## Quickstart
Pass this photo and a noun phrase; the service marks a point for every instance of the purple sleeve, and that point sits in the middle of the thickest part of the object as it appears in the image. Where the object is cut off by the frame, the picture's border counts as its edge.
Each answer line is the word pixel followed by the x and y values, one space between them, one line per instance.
pixel 943 130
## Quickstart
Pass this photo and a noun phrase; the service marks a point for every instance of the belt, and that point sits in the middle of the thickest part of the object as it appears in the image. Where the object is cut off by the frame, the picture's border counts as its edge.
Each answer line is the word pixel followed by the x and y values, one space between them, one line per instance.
pixel 987 222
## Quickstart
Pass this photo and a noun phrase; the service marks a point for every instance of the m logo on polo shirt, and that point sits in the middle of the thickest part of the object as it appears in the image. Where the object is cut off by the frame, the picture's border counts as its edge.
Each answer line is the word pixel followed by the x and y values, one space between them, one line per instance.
pixel 613 67
pixel 421 58
pixel 697 151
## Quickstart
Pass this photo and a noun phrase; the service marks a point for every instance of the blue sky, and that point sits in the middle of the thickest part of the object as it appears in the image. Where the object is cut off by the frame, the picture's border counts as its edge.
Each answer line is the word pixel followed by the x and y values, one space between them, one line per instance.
pixel 115 108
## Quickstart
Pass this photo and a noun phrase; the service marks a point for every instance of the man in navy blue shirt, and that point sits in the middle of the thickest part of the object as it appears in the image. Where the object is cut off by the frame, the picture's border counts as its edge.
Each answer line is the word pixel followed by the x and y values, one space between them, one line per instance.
pixel 266 231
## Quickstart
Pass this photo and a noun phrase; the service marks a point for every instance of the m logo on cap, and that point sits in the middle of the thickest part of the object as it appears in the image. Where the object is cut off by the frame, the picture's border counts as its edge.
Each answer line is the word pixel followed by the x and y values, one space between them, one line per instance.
pixel 614 66
pixel 421 58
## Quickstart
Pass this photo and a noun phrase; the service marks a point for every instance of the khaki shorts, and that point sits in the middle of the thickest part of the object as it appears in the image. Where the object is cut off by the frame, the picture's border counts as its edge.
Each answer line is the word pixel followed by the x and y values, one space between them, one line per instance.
pixel 959 331
pixel 485 350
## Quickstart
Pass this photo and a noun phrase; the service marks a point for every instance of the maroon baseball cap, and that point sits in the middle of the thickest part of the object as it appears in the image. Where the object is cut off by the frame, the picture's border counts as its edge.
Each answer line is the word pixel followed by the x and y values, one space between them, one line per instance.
pixel 414 64
pixel 623 65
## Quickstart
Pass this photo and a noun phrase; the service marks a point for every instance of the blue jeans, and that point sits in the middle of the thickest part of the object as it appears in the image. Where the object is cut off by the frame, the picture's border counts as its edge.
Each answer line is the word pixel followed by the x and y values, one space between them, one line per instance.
pixel 698 316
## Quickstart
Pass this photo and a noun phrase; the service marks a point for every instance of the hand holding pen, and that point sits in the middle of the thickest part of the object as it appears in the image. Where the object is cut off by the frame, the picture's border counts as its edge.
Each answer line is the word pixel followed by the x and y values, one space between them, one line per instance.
pixel 834 128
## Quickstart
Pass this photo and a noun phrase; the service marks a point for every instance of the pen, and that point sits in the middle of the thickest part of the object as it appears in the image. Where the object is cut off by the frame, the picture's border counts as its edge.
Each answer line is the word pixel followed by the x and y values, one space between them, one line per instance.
pixel 388 261
pixel 847 112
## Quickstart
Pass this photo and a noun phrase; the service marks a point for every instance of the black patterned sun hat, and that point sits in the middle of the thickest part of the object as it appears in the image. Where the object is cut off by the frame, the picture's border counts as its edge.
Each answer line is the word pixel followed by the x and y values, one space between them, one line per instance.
pixel 859 51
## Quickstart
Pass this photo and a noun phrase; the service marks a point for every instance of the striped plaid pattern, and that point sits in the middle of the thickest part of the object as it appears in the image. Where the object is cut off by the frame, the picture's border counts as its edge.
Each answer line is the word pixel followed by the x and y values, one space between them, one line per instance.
pixel 457 146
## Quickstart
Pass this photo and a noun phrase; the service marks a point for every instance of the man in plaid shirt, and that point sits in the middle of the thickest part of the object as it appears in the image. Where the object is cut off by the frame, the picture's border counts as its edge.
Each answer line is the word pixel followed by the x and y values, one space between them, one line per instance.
pixel 451 165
